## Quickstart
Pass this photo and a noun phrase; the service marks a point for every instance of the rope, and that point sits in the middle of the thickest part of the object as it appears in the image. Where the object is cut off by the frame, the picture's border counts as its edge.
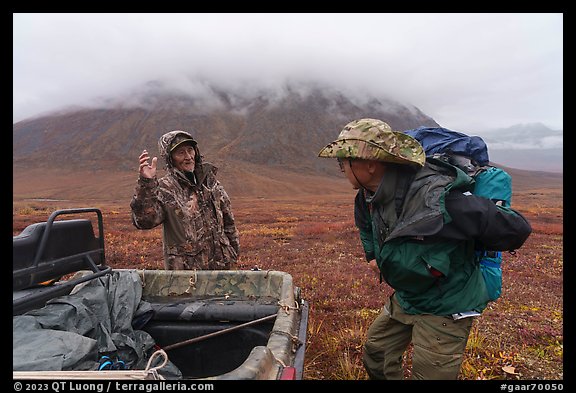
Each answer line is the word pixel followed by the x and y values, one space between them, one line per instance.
pixel 287 308
pixel 279 360
pixel 150 373
pixel 219 332
pixel 156 354
pixel 293 339
pixel 154 370
pixel 192 282
pixel 295 344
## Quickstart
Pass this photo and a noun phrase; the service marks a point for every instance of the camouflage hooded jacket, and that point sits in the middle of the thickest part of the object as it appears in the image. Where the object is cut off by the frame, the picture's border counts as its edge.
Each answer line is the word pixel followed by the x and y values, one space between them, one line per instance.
pixel 199 231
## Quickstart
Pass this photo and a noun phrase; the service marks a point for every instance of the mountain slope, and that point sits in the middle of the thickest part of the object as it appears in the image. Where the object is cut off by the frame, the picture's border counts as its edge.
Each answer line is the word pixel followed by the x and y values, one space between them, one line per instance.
pixel 286 132
pixel 265 145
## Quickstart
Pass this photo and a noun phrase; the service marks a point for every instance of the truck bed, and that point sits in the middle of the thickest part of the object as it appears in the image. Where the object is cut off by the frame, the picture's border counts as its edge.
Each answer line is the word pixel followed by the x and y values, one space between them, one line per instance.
pixel 239 324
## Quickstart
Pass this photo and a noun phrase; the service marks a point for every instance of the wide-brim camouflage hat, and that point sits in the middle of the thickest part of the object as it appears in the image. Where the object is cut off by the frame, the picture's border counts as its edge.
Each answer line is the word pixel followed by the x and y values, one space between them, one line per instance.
pixel 373 139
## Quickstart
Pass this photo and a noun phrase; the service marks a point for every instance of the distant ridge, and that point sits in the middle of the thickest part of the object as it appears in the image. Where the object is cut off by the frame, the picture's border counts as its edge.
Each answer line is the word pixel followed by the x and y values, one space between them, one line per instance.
pixel 267 130
pixel 530 146
pixel 263 145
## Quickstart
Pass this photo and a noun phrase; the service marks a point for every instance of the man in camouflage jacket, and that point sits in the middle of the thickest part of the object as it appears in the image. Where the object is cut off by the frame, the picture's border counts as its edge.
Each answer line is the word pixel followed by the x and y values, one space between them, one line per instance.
pixel 199 231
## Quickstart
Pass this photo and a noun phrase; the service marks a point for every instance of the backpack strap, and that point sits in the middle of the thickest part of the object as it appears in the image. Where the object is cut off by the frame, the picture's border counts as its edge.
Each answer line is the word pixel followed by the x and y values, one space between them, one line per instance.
pixel 402 184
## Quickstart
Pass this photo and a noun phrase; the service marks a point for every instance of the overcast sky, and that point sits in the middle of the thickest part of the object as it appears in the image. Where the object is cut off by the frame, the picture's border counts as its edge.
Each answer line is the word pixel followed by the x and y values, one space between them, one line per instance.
pixel 470 72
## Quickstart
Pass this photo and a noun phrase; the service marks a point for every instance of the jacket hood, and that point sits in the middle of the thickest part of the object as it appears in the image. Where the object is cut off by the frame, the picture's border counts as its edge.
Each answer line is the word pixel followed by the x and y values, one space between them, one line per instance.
pixel 201 169
pixel 165 143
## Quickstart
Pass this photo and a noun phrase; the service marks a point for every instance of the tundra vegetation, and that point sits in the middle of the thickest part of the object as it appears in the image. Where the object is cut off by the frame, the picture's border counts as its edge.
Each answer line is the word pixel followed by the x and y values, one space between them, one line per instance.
pixel 520 336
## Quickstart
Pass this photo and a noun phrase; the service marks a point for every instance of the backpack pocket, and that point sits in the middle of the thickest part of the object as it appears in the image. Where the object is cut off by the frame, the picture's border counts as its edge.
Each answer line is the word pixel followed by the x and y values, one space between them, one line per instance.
pixel 494 184
pixel 413 267
pixel 491 268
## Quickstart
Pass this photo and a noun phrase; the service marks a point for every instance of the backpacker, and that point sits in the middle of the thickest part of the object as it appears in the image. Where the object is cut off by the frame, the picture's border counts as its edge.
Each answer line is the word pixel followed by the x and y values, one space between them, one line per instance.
pixel 470 154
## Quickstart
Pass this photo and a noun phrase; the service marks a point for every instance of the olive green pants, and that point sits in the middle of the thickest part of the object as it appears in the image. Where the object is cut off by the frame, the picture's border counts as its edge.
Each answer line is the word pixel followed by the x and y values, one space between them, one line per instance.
pixel 439 343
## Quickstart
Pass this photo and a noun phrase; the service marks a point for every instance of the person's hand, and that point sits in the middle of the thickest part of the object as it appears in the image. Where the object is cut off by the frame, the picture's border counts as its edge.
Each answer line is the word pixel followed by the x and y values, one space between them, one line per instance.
pixel 147 170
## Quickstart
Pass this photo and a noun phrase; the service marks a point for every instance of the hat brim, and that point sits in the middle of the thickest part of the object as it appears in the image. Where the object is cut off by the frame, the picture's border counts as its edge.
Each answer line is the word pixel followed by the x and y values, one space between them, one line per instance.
pixel 185 141
pixel 369 150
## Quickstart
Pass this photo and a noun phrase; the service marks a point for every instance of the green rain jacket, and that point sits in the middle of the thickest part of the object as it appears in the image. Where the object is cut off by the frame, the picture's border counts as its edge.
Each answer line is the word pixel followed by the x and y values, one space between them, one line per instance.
pixel 423 228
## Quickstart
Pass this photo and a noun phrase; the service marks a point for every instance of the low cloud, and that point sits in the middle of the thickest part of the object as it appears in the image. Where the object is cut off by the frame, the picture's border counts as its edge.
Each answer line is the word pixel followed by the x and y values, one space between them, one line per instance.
pixel 550 142
pixel 450 66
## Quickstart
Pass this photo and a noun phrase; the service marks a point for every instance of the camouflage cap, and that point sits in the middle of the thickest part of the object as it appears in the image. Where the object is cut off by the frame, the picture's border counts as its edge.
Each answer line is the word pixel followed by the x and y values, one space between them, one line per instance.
pixel 373 139
pixel 179 140
pixel 171 140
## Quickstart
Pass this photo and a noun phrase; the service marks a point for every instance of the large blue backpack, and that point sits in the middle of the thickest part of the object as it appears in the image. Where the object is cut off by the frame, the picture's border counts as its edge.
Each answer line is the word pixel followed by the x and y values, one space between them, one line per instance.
pixel 470 154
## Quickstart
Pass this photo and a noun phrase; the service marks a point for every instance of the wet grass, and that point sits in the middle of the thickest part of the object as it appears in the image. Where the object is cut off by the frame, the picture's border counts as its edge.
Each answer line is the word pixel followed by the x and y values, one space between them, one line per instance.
pixel 313 238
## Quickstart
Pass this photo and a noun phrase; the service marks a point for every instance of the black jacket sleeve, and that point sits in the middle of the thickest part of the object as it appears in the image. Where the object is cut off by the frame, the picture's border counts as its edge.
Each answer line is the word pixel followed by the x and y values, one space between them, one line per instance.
pixel 493 227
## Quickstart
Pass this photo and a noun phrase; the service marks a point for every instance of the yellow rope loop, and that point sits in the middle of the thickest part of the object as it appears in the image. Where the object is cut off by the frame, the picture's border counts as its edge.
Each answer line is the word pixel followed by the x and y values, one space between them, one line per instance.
pixel 295 341
pixel 192 282
pixel 287 308
pixel 284 307
pixel 153 371
pixel 279 360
